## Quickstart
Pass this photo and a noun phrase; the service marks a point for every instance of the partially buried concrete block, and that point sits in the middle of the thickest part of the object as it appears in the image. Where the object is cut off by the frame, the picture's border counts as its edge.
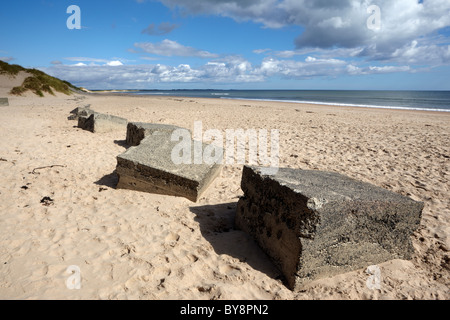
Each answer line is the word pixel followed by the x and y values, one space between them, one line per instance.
pixel 4 102
pixel 80 111
pixel 99 123
pixel 137 131
pixel 317 224
pixel 150 167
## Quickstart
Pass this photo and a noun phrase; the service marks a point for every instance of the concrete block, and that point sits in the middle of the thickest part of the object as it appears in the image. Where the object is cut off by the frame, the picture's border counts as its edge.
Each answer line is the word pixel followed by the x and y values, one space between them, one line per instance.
pixel 137 131
pixel 80 111
pixel 150 168
pixel 100 123
pixel 315 224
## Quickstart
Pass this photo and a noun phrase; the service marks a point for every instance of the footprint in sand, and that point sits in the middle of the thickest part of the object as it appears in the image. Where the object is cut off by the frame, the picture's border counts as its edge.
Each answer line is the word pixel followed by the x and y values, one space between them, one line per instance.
pixel 229 270
pixel 192 258
pixel 172 239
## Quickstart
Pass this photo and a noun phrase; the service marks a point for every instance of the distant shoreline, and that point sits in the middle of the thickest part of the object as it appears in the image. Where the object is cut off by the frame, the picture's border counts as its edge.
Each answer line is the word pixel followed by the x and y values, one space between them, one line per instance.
pixel 226 94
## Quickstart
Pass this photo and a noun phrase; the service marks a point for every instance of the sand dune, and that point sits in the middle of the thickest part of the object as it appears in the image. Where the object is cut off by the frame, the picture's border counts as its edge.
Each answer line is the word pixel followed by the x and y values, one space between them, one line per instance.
pixel 8 82
pixel 131 245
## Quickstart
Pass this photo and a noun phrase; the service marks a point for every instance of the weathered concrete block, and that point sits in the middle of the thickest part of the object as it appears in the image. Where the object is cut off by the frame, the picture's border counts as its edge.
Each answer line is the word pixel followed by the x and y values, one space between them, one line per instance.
pixel 4 102
pixel 82 122
pixel 137 131
pixel 98 123
pixel 80 111
pixel 317 224
pixel 149 168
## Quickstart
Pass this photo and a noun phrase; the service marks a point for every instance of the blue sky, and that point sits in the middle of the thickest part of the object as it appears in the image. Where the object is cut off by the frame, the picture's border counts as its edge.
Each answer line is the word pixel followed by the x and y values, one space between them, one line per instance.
pixel 229 44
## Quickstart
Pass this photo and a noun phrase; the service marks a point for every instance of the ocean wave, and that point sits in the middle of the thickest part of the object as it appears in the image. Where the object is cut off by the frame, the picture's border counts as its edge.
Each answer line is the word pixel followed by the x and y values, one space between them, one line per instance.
pixel 152 93
pixel 341 104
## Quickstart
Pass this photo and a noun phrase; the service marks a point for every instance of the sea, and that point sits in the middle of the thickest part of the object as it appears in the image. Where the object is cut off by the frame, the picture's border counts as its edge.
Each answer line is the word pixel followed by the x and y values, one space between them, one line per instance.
pixel 408 100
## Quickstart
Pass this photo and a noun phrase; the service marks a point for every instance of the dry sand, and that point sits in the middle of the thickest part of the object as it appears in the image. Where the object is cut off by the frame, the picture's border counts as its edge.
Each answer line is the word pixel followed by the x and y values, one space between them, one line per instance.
pixel 8 82
pixel 132 245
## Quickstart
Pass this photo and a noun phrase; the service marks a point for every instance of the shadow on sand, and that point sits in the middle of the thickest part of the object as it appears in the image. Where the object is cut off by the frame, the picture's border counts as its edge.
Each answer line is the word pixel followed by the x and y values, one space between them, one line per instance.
pixel 217 227
pixel 122 143
pixel 110 180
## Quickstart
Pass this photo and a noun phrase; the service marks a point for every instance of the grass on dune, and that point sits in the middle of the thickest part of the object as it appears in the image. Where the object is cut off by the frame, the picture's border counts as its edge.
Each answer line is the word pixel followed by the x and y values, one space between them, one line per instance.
pixel 10 69
pixel 39 82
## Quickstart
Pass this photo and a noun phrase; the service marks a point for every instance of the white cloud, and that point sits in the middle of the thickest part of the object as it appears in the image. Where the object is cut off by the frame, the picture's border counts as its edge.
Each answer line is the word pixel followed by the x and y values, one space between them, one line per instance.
pixel 343 24
pixel 339 24
pixel 169 48
pixel 286 54
pixel 311 67
pixel 85 59
pixel 229 69
pixel 114 63
pixel 260 51
pixel 149 58
pixel 334 22
pixel 93 61
pixel 414 53
pixel 389 69
pixel 6 59
pixel 353 70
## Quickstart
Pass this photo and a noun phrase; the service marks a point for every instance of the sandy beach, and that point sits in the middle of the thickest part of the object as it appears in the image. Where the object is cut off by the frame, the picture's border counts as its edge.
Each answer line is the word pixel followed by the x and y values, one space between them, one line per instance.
pixel 133 245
